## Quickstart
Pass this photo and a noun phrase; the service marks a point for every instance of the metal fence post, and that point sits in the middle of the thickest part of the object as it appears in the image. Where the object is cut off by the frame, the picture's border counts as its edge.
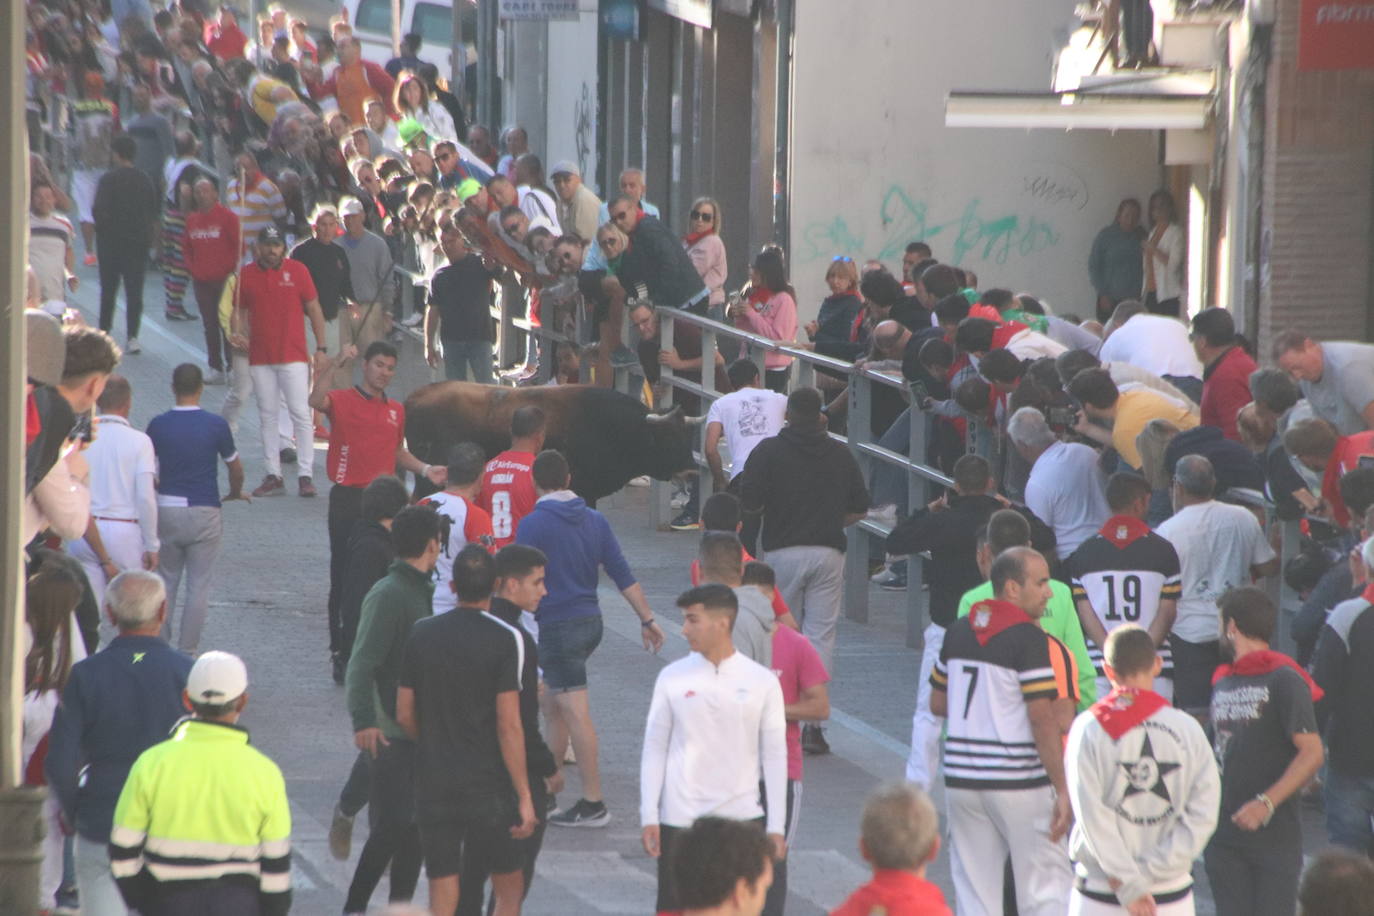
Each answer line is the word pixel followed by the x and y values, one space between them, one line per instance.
pixel 918 495
pixel 660 494
pixel 856 554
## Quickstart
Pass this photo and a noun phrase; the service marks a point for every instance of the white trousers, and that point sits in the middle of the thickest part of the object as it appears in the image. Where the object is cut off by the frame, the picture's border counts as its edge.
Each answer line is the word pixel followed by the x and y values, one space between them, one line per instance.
pixel 1082 906
pixel 987 826
pixel 124 544
pixel 923 763
pixel 240 390
pixel 290 381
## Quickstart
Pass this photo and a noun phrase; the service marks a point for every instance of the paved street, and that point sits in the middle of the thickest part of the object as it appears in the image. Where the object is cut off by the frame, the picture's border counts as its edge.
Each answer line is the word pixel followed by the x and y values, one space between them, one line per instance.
pixel 269 606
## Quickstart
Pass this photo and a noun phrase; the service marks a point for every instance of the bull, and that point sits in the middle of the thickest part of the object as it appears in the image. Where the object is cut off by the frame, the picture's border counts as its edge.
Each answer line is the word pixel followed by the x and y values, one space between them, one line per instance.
pixel 609 438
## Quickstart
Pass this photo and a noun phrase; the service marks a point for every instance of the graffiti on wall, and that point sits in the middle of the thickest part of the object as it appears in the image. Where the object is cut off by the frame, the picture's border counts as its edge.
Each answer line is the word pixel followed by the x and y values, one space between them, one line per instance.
pixel 971 231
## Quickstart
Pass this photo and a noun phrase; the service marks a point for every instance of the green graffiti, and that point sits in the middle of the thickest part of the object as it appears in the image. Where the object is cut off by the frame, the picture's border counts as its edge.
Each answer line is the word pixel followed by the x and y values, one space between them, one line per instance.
pixel 969 235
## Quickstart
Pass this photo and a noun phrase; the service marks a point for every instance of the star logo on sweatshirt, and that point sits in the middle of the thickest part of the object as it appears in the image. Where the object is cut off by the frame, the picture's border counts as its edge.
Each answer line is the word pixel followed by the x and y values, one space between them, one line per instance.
pixel 1146 774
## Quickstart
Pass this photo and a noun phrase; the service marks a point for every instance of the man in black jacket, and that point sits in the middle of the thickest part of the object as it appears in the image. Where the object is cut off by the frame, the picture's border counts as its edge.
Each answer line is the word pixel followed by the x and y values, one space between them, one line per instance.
pixel 657 259
pixel 125 211
pixel 947 529
pixel 370 553
pixel 519 586
pixel 808 488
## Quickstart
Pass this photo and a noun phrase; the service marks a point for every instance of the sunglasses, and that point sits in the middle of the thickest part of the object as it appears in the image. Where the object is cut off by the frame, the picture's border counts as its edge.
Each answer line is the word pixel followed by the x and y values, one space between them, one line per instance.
pixel 842 257
pixel 704 215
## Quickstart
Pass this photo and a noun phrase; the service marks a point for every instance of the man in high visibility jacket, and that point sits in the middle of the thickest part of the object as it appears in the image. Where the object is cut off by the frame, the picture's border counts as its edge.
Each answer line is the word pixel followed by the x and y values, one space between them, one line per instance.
pixel 203 823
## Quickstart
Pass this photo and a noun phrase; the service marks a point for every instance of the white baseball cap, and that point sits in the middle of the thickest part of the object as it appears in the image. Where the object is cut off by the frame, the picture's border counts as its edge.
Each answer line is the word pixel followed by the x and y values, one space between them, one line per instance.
pixel 217 678
pixel 351 207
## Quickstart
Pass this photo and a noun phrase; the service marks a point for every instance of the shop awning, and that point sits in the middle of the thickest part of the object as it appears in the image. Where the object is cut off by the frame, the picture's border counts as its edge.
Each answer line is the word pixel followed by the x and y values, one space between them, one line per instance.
pixel 1165 101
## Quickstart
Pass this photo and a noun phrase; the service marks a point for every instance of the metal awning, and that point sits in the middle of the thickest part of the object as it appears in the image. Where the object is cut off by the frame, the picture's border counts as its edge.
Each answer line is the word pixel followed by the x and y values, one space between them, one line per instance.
pixel 1081 110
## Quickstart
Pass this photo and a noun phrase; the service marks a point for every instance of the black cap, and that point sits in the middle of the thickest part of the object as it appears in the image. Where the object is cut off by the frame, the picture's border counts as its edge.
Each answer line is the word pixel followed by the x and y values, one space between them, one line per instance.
pixel 272 235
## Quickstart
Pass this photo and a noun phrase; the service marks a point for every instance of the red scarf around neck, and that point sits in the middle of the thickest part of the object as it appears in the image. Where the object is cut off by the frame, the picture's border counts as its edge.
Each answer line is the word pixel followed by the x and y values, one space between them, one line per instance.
pixel 1003 333
pixel 992 616
pixel 1263 662
pixel 1125 708
pixel 692 238
pixel 759 296
pixel 1123 530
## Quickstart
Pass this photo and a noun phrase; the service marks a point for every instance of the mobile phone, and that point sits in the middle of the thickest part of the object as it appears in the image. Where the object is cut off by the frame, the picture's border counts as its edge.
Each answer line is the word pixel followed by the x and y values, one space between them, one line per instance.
pixel 82 430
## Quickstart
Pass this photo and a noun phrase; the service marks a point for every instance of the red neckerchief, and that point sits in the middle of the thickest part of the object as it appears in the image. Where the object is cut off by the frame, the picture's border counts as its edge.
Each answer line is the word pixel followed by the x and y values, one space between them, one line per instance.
pixel 1263 662
pixel 856 329
pixel 1125 708
pixel 1003 333
pixel 692 238
pixel 1124 530
pixel 985 311
pixel 992 616
pixel 760 295
pixel 1368 593
pixel 960 361
pixel 33 421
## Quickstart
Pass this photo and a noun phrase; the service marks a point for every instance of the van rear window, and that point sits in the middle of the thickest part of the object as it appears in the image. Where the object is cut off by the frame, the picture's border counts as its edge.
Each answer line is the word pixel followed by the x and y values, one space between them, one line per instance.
pixel 374 16
pixel 434 23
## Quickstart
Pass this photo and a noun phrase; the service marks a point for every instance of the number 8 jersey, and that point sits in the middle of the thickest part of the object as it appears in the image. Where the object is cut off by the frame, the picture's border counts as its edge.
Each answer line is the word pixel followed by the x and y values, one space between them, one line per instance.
pixel 508 493
pixel 1124 572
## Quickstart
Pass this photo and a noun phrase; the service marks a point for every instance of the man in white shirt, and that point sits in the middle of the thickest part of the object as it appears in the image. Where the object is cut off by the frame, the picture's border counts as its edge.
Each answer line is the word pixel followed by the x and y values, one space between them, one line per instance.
pixel 1154 342
pixel 1066 488
pixel 1220 547
pixel 122 533
pixel 745 417
pixel 715 729
pixel 461 520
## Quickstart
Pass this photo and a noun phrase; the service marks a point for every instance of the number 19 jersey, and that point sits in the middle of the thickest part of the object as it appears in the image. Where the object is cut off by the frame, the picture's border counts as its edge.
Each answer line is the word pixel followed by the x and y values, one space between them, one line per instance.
pixel 1124 571
pixel 508 493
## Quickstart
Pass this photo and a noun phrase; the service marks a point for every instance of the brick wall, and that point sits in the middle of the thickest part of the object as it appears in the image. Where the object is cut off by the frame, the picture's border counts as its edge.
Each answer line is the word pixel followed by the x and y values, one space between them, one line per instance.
pixel 1318 197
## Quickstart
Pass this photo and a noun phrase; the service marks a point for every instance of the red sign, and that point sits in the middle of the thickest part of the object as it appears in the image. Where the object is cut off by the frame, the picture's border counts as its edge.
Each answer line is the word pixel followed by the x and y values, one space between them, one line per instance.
pixel 1336 35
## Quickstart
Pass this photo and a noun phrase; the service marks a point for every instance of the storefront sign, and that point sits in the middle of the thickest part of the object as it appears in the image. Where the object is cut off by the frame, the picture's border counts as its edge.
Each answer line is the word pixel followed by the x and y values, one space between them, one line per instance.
pixel 538 9
pixel 1336 35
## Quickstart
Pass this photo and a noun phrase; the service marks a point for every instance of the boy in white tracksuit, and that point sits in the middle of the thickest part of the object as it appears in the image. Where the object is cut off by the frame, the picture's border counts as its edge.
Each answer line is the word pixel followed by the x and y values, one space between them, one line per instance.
pixel 1145 790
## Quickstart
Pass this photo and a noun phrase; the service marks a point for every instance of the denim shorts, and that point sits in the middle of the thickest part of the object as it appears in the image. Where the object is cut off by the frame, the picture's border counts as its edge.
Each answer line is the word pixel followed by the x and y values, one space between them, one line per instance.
pixel 564 647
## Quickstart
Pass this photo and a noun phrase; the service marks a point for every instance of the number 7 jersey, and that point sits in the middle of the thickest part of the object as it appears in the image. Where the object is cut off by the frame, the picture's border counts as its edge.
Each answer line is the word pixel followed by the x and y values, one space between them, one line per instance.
pixel 1125 571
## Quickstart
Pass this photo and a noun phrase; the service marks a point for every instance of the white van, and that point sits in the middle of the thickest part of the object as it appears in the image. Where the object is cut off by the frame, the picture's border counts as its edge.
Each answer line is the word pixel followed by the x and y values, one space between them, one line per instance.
pixel 432 19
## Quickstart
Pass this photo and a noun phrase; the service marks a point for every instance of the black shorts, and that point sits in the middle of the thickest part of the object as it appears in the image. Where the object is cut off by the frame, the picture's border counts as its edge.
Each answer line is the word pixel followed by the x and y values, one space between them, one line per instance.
pixel 481 823
pixel 1194 665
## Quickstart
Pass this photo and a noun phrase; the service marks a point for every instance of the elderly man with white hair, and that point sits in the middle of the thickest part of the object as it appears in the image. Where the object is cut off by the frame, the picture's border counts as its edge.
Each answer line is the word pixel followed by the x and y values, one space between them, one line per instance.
pixel 117 704
pixel 1066 488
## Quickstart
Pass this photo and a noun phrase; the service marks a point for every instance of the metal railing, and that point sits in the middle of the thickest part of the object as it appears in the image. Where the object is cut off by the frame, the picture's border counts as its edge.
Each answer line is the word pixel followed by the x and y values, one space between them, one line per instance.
pixel 860 543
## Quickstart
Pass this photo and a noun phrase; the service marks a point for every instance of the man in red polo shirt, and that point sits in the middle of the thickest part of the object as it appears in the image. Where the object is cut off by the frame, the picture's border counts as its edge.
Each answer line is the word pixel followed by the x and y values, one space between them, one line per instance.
pixel 274 294
pixel 366 441
pixel 1226 376
pixel 507 483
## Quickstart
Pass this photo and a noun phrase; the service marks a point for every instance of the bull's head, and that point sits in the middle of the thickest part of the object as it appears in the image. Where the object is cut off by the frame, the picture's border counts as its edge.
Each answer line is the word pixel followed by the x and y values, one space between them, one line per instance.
pixel 672 443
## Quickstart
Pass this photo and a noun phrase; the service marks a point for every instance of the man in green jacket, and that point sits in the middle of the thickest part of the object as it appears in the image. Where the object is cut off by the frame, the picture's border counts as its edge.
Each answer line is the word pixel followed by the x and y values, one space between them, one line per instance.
pixel 390 609
pixel 1005 529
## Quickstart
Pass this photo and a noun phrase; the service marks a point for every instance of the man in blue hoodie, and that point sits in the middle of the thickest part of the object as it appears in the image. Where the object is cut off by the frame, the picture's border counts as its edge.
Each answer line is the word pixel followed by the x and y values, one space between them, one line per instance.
pixel 578 542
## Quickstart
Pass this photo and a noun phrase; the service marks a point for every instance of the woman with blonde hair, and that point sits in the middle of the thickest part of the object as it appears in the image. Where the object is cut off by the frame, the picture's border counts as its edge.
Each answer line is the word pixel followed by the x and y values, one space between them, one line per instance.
pixel 413 100
pixel 838 330
pixel 707 251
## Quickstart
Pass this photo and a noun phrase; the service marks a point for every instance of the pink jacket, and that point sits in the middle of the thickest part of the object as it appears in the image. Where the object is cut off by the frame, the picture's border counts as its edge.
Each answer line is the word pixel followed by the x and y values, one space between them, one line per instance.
pixel 775 319
pixel 708 256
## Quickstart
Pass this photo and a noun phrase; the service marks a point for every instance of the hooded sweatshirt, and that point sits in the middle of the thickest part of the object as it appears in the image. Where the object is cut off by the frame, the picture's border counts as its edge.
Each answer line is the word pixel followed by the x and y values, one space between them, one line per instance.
pixel 754 625
pixel 578 542
pixel 804 483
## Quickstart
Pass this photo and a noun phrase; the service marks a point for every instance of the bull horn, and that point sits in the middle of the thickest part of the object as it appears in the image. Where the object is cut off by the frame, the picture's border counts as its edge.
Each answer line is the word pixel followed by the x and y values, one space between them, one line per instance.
pixel 694 421
pixel 653 419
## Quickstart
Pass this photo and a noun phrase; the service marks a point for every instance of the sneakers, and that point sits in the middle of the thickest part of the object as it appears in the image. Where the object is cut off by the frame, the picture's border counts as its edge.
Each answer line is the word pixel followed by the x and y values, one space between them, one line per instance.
pixel 813 741
pixel 892 577
pixel 883 515
pixel 338 666
pixel 132 346
pixel 179 314
pixel 413 321
pixel 640 481
pixel 582 814
pixel 686 521
pixel 271 485
pixel 306 487
pixel 287 455
pixel 340 835
pixel 90 259
pixel 214 377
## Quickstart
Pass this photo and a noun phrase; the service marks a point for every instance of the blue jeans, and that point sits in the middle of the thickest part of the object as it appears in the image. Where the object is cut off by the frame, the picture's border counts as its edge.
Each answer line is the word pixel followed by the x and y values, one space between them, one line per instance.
pixel 1349 807
pixel 468 360
pixel 890 481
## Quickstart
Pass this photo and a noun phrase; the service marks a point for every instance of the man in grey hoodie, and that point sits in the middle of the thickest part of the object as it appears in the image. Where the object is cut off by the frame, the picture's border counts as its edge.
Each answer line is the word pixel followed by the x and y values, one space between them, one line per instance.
pixel 722 563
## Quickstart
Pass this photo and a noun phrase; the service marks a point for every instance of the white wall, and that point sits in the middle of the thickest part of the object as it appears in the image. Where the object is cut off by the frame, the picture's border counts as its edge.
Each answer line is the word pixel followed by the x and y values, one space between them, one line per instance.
pixel 873 166
pixel 571 125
